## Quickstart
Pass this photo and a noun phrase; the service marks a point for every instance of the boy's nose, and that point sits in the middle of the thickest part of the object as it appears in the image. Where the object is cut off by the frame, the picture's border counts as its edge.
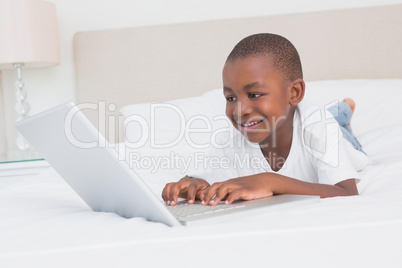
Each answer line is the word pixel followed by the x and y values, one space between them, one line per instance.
pixel 242 108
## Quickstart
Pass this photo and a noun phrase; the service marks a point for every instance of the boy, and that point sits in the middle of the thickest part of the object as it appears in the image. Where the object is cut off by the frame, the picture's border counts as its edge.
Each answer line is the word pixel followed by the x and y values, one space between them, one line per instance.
pixel 303 153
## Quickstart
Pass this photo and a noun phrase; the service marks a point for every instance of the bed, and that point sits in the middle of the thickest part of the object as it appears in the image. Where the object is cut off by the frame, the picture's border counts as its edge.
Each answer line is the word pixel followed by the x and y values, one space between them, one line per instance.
pixel 345 53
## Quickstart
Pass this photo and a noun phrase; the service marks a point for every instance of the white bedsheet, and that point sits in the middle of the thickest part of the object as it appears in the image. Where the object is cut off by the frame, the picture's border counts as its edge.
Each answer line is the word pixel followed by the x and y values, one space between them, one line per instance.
pixel 45 224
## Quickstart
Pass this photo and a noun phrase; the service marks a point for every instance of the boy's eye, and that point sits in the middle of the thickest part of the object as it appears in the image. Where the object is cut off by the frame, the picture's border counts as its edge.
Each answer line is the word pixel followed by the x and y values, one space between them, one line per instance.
pixel 254 95
pixel 230 98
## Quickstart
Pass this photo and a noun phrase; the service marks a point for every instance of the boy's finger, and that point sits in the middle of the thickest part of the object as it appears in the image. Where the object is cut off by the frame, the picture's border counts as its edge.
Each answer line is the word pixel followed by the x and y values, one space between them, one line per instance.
pixel 201 194
pixel 191 191
pixel 174 193
pixel 233 196
pixel 221 193
pixel 165 192
pixel 209 193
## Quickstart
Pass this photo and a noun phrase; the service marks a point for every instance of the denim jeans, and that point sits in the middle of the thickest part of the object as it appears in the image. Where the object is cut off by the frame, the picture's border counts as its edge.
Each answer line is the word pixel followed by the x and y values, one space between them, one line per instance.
pixel 342 113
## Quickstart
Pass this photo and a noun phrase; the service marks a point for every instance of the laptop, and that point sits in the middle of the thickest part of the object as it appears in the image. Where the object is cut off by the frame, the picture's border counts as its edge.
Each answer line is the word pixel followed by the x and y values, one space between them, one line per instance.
pixel 72 145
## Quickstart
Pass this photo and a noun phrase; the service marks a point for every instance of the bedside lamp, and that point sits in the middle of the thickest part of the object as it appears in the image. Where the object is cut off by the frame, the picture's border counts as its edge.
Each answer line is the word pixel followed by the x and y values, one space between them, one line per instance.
pixel 28 39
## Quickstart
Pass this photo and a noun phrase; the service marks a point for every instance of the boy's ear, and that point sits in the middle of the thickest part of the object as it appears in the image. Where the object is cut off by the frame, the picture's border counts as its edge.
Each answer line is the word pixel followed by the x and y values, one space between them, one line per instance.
pixel 297 92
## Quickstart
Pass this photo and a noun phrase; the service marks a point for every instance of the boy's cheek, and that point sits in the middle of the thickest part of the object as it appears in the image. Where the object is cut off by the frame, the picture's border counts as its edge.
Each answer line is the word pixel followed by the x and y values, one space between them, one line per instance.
pixel 229 113
pixel 235 125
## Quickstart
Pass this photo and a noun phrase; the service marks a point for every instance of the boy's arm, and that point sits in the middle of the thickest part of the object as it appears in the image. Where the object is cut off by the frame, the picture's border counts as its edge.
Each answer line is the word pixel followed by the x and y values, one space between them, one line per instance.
pixel 267 184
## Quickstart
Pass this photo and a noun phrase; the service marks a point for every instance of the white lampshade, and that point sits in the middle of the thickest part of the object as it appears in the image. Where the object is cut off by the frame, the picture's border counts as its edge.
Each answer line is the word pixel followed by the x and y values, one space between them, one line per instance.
pixel 28 34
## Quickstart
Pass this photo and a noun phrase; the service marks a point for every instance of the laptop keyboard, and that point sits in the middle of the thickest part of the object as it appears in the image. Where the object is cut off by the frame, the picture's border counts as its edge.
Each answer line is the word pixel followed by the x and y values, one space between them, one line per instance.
pixel 185 210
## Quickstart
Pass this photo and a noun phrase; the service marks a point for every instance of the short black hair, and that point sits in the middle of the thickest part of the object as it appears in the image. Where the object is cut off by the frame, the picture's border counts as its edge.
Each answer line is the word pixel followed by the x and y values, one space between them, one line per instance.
pixel 280 51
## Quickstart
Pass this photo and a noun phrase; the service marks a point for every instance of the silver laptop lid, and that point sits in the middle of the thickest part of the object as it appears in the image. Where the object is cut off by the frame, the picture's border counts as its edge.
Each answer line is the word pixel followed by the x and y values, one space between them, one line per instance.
pixel 74 148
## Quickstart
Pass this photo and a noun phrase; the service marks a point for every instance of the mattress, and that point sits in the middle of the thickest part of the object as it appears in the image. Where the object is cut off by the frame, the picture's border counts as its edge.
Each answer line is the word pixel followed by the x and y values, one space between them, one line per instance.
pixel 44 222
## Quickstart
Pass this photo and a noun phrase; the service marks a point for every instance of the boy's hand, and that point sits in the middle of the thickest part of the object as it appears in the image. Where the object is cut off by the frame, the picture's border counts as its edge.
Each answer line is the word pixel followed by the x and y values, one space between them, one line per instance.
pixel 246 188
pixel 188 188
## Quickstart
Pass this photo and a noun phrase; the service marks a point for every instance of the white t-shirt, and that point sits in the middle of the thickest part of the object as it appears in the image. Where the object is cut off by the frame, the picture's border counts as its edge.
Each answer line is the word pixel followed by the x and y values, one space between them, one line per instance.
pixel 319 153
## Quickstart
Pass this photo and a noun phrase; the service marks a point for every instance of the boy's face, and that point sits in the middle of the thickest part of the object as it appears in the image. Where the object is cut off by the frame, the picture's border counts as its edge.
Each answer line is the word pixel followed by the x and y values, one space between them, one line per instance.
pixel 257 97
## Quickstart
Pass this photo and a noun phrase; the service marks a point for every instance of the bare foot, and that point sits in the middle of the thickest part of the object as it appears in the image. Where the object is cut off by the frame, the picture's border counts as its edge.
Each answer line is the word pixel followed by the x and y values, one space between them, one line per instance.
pixel 351 104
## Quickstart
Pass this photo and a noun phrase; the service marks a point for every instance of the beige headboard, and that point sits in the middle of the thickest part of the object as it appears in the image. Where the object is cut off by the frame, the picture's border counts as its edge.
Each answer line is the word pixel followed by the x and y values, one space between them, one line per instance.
pixel 157 63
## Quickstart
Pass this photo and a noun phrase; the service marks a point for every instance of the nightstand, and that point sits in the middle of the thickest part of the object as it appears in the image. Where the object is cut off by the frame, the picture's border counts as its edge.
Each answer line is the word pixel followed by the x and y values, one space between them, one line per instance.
pixel 17 166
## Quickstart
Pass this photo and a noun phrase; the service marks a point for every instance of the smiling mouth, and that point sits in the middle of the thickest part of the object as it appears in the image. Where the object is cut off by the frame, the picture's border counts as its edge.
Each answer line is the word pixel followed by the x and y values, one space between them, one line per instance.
pixel 251 123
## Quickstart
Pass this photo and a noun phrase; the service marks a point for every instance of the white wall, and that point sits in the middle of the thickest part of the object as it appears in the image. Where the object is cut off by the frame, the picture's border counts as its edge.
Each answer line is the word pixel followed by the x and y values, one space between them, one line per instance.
pixel 49 87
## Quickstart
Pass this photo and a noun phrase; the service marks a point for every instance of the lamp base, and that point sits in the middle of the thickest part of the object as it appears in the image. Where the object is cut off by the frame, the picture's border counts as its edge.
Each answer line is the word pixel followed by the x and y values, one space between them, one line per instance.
pixel 22 144
pixel 22 107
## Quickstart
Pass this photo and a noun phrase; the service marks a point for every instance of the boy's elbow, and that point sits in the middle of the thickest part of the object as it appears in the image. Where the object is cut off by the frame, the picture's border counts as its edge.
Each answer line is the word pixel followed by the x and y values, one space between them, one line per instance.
pixel 349 187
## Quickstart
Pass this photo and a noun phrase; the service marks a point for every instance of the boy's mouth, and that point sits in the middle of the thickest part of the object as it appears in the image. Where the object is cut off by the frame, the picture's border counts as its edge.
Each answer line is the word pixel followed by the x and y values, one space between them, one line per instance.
pixel 250 124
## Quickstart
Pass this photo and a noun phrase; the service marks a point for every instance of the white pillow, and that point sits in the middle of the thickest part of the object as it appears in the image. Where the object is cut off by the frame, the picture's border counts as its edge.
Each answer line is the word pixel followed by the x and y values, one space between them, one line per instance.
pixel 162 125
pixel 377 100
